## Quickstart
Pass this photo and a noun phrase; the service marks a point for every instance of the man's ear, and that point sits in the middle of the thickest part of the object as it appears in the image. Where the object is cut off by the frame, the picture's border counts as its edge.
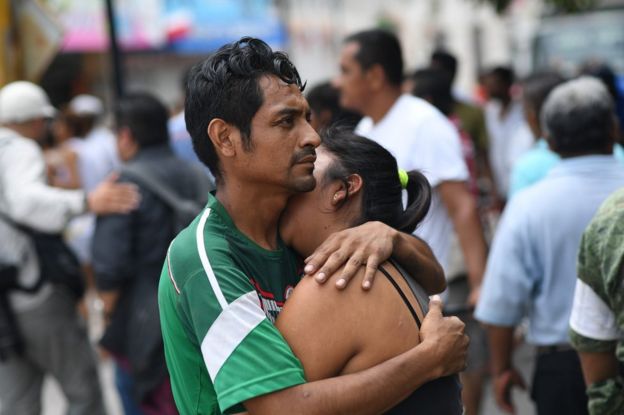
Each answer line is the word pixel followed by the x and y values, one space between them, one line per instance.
pixel 350 189
pixel 222 136
pixel 551 143
pixel 124 135
pixel 376 77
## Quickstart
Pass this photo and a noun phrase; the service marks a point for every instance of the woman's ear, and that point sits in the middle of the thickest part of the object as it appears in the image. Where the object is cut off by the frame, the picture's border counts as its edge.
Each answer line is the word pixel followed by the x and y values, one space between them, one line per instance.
pixel 221 135
pixel 349 189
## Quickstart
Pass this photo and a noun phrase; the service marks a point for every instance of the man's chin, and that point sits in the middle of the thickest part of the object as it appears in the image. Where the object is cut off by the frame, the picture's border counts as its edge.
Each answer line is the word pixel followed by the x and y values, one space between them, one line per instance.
pixel 305 184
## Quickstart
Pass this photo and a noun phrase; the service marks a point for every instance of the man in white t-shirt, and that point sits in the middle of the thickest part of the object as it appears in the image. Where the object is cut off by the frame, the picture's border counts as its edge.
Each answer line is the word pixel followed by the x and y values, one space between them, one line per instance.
pixel 510 135
pixel 420 137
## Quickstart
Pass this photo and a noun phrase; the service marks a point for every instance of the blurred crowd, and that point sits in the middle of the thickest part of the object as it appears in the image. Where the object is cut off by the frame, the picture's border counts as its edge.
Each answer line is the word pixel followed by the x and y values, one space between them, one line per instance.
pixel 519 168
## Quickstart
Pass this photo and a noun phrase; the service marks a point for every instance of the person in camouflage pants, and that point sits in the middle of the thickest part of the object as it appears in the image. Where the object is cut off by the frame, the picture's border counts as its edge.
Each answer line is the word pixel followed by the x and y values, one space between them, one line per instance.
pixel 597 320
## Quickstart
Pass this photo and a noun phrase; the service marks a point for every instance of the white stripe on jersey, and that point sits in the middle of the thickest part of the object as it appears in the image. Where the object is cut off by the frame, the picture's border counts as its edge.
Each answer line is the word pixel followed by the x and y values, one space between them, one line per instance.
pixel 201 249
pixel 234 323
pixel 169 271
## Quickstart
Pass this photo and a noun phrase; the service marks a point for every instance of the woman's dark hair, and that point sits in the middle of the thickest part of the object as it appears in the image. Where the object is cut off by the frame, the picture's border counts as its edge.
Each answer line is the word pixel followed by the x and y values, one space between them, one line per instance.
pixel 225 86
pixel 381 191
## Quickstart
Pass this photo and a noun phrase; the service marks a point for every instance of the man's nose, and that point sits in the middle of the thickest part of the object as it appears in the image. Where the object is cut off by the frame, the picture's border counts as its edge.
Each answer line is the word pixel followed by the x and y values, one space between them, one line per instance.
pixel 336 81
pixel 310 137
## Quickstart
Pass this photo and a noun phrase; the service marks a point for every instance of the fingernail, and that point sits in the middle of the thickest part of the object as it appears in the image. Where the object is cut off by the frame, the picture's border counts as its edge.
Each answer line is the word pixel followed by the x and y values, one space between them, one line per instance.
pixel 308 268
pixel 436 297
pixel 367 284
pixel 320 276
pixel 341 283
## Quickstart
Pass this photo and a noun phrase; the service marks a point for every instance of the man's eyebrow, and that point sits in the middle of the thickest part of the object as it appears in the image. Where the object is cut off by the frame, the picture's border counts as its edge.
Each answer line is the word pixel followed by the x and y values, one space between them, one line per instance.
pixel 296 111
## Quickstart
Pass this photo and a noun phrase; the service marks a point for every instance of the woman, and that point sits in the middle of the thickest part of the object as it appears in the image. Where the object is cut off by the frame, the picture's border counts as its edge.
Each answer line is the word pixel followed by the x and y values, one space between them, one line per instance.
pixel 334 332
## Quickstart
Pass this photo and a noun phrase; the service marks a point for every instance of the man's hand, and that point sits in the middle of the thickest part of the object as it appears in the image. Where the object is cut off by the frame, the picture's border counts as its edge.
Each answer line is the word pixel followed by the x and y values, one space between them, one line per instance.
pixel 369 244
pixel 446 336
pixel 110 197
pixel 503 382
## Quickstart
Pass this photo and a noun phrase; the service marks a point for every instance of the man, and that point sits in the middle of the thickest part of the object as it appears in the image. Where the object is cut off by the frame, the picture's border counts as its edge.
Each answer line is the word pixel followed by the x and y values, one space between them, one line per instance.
pixel 531 268
pixel 509 134
pixel 597 320
pixel 471 116
pixel 324 101
pixel 55 339
pixel 97 154
pixel 129 249
pixel 420 137
pixel 227 275
pixel 533 165
pixel 434 86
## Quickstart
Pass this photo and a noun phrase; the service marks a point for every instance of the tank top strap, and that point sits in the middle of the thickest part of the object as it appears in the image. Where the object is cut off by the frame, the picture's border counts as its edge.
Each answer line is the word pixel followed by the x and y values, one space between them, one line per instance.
pixel 402 294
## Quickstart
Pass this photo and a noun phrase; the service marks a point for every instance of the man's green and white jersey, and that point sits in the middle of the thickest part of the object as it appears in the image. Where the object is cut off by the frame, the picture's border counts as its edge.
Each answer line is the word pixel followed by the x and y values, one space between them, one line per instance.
pixel 218 296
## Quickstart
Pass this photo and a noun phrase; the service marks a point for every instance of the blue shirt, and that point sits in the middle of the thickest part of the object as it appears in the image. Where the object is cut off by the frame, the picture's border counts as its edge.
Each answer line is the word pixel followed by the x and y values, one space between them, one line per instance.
pixel 536 163
pixel 532 167
pixel 531 269
pixel 181 142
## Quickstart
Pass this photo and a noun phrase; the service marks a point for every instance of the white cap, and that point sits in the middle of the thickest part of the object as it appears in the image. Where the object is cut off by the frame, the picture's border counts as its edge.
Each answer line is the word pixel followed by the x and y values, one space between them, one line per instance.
pixel 23 101
pixel 86 105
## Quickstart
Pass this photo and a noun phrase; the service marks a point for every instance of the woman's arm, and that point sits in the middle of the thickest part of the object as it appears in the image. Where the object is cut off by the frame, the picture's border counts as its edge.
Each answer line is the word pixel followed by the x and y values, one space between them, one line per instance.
pixel 375 390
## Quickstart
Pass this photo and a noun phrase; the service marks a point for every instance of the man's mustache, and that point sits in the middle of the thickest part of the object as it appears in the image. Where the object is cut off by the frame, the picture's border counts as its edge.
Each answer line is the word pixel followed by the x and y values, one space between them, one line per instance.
pixel 301 156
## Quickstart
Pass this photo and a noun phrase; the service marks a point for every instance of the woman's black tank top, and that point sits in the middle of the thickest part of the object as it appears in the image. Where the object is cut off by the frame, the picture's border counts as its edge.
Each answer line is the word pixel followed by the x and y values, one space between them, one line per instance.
pixel 438 397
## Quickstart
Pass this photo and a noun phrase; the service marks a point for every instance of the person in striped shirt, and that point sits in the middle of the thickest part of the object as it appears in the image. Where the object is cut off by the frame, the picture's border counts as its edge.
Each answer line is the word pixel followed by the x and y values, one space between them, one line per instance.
pixel 227 275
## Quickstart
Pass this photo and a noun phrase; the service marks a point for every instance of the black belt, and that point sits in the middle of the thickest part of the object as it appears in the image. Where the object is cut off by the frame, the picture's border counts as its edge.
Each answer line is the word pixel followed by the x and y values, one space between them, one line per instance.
pixel 555 348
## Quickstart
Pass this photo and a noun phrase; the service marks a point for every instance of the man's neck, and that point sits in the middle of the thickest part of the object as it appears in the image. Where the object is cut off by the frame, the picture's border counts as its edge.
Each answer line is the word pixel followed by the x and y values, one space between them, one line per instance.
pixel 254 211
pixel 379 105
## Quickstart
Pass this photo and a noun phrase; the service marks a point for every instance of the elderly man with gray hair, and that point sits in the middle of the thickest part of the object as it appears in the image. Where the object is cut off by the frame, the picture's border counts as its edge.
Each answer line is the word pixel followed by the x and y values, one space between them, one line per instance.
pixel 531 270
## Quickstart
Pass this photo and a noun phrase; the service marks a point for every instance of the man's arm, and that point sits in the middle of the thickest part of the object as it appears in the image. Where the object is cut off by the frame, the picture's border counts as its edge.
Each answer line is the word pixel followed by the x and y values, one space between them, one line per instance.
pixel 462 209
pixel 372 243
pixel 33 203
pixel 505 375
pixel 375 390
pixel 598 367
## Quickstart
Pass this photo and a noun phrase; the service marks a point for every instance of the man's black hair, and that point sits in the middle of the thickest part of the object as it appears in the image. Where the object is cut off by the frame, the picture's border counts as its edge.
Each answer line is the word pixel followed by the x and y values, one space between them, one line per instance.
pixel 226 86
pixel 537 86
pixel 324 97
pixel 446 61
pixel 145 116
pixel 434 85
pixel 503 73
pixel 379 47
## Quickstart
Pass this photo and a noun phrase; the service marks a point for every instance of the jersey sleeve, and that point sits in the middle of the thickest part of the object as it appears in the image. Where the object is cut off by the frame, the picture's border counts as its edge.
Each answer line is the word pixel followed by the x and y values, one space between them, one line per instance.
pixel 439 154
pixel 244 353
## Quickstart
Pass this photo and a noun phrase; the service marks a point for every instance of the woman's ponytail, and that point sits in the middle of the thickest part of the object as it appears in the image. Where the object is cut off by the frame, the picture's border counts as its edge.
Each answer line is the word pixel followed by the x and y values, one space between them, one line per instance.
pixel 418 201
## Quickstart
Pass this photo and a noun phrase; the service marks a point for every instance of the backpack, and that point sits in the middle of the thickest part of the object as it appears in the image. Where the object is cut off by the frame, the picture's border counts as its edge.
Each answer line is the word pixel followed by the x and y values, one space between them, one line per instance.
pixel 184 210
pixel 57 262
